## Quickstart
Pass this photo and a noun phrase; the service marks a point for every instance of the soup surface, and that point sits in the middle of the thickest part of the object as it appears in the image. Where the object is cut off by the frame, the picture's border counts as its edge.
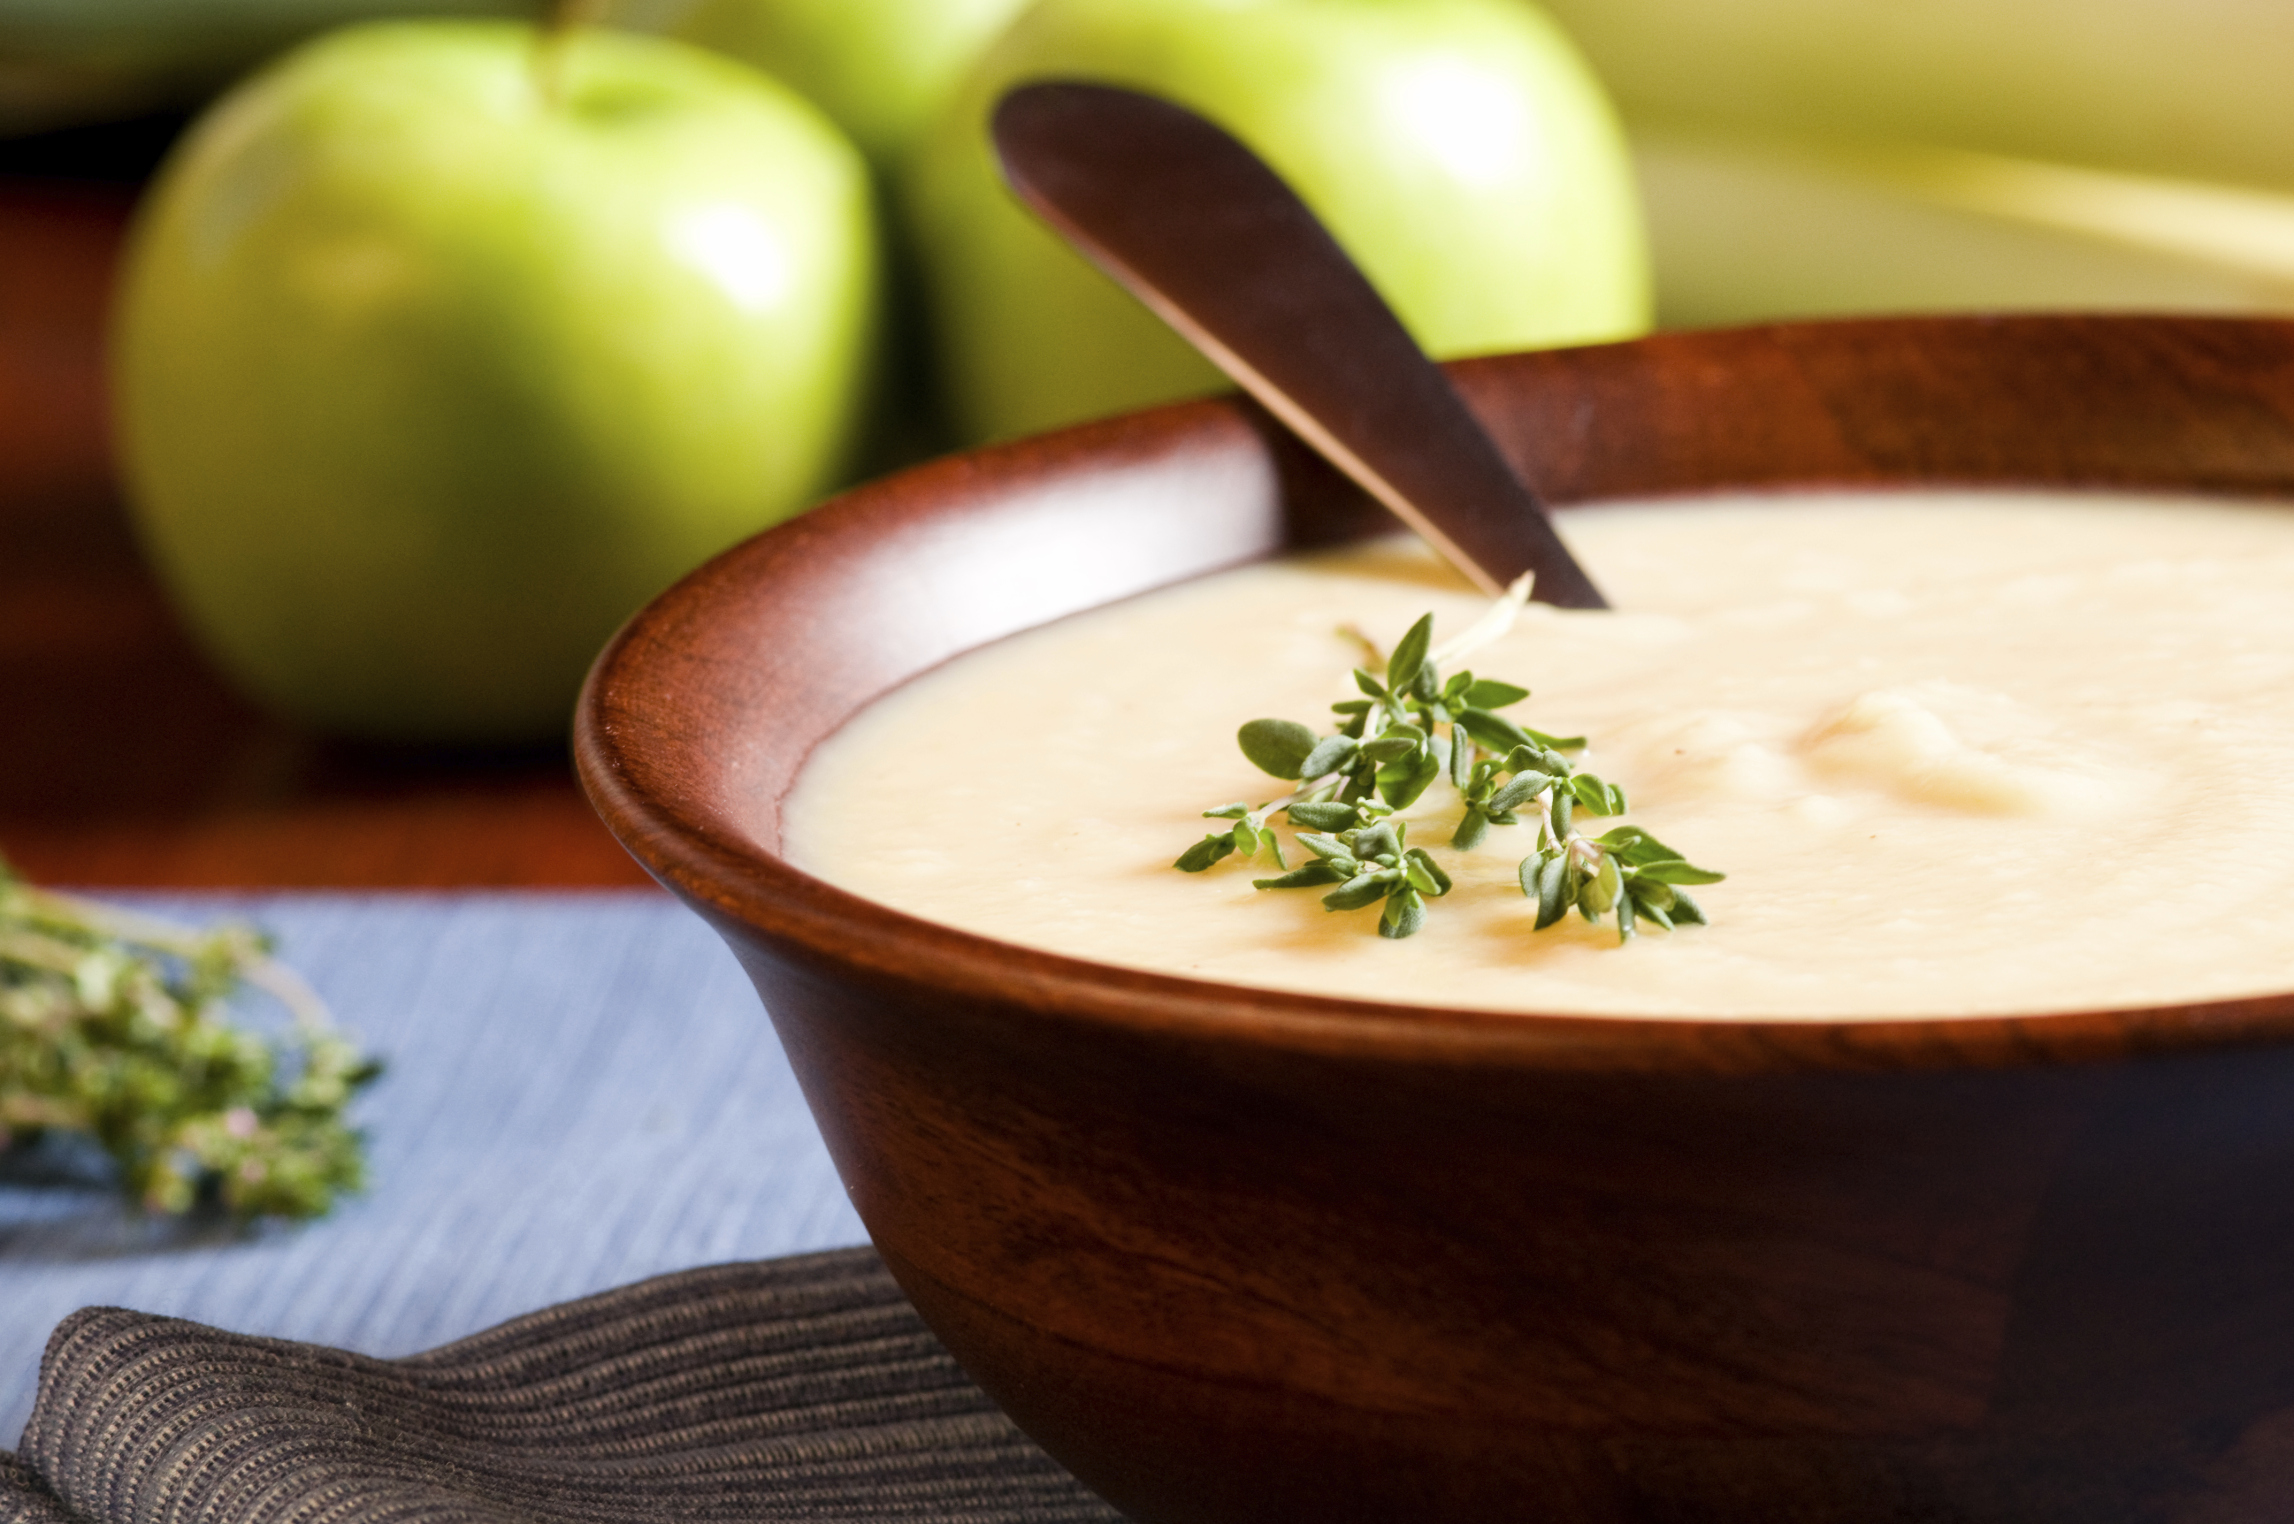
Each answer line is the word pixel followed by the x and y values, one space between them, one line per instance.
pixel 1958 753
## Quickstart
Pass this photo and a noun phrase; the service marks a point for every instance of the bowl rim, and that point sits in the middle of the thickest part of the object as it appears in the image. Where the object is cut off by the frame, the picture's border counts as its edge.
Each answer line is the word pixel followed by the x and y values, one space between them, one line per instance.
pixel 751 894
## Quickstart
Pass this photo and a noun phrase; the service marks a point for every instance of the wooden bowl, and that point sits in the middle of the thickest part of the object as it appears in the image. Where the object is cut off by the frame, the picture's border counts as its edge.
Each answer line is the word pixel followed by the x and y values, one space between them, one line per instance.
pixel 1241 1255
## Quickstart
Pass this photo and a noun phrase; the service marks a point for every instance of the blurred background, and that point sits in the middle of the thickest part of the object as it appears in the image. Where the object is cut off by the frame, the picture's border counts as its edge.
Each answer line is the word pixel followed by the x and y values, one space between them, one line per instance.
pixel 1788 159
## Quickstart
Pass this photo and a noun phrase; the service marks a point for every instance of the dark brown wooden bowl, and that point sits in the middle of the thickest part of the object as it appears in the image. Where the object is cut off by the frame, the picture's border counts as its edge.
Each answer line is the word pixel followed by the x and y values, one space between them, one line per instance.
pixel 1247 1256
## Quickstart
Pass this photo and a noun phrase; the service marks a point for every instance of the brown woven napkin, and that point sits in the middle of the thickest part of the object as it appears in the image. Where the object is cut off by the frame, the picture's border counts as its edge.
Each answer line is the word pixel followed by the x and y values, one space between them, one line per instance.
pixel 792 1389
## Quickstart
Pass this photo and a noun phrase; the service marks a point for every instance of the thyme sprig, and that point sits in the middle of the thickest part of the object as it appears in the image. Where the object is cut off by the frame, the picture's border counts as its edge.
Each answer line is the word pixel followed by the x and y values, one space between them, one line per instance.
pixel 112 1026
pixel 1410 728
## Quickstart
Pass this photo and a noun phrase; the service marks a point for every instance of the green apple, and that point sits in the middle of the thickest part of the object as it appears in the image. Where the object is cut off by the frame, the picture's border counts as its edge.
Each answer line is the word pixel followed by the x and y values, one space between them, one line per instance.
pixel 884 70
pixel 438 354
pixel 1459 149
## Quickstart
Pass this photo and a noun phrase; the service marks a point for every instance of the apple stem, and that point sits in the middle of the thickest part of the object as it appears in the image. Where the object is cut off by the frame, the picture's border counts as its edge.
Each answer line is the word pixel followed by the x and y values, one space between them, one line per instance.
pixel 564 19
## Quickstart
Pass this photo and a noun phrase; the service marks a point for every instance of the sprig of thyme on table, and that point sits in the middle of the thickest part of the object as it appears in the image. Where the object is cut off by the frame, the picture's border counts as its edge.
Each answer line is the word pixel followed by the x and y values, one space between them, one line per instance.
pixel 112 1025
pixel 1408 730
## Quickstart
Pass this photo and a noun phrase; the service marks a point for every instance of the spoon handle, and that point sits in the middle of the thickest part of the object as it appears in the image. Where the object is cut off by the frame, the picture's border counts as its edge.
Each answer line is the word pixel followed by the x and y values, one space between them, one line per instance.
pixel 1210 238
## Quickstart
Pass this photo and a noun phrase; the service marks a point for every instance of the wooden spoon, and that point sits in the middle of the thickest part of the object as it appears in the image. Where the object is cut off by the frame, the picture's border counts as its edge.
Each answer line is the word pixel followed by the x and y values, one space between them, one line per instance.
pixel 1218 246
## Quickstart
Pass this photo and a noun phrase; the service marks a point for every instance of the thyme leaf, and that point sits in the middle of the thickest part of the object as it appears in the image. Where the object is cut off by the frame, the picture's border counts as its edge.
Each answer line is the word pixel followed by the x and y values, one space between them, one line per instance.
pixel 1411 729
pixel 112 1025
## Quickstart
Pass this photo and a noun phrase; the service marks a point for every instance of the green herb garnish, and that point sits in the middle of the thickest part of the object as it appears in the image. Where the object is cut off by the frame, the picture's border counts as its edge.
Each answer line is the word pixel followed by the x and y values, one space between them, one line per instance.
pixel 1409 729
pixel 112 1026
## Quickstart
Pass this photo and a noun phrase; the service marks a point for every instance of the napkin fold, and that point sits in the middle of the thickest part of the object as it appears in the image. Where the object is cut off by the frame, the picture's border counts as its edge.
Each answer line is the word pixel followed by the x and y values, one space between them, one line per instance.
pixel 793 1389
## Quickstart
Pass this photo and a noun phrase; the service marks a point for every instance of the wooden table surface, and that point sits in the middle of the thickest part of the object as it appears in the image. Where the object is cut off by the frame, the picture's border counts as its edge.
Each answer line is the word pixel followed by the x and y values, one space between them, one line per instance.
pixel 124 760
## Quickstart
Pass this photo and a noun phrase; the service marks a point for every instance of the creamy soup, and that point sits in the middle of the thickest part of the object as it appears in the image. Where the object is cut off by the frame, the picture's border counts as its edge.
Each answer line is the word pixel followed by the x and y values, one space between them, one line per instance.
pixel 1958 754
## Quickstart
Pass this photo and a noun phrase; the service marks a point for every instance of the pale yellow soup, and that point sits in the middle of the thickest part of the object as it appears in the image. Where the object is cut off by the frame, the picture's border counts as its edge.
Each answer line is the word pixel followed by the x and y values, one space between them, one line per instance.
pixel 1958 753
